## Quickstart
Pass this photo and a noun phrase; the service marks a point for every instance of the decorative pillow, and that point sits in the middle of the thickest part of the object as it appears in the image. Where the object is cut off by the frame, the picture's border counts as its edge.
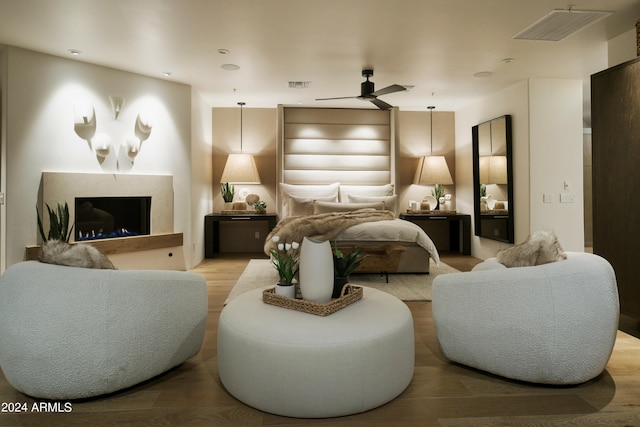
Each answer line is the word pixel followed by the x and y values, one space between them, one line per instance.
pixel 541 247
pixel 390 202
pixel 365 190
pixel 299 206
pixel 305 191
pixel 326 207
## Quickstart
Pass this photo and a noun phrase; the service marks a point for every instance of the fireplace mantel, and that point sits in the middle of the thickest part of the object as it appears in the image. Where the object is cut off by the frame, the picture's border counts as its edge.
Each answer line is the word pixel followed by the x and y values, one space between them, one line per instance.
pixel 162 249
pixel 60 187
pixel 122 245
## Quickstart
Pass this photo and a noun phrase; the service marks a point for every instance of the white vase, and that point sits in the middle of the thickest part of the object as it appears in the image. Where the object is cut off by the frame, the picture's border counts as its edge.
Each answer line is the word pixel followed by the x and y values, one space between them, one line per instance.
pixel 316 270
pixel 286 291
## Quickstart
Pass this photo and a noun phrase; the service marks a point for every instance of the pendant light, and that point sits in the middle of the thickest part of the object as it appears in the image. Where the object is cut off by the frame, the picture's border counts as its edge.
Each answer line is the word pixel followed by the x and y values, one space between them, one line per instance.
pixel 432 169
pixel 240 167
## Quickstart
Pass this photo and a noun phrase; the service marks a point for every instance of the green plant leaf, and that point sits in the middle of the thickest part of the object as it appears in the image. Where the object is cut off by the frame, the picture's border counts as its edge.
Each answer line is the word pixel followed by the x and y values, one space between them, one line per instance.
pixel 58 223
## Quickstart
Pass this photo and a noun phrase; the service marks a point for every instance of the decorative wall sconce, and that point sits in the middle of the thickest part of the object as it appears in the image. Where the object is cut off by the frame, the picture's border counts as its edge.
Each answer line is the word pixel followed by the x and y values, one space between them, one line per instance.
pixel 84 121
pixel 240 167
pixel 85 124
pixel 143 126
pixel 117 102
pixel 132 145
pixel 84 114
pixel 101 145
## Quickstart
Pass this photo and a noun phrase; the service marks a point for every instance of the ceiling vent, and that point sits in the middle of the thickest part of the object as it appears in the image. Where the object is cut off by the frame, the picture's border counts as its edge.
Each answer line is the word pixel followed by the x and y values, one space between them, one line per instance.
pixel 299 85
pixel 559 24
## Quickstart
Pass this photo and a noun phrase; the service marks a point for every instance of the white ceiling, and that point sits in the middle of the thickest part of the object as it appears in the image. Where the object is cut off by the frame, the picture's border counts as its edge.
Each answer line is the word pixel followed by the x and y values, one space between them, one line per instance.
pixel 436 45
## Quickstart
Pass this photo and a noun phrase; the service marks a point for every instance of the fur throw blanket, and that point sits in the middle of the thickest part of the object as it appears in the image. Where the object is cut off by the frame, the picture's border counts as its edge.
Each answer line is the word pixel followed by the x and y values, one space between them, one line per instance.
pixel 324 226
pixel 62 253
pixel 541 247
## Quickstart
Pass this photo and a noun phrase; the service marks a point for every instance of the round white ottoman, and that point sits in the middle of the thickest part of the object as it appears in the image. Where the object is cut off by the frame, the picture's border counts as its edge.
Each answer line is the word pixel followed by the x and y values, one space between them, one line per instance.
pixel 296 364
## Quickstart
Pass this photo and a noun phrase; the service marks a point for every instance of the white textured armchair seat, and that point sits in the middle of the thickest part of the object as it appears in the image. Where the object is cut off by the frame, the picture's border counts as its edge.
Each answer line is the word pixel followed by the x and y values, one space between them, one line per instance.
pixel 553 324
pixel 69 333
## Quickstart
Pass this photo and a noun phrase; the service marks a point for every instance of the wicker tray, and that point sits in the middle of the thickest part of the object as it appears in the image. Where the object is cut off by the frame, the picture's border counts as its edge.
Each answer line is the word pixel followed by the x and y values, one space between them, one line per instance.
pixel 350 294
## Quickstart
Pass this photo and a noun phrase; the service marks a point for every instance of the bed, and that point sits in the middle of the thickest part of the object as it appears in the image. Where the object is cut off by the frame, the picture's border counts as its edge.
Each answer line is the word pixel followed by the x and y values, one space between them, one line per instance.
pixel 362 217
pixel 342 163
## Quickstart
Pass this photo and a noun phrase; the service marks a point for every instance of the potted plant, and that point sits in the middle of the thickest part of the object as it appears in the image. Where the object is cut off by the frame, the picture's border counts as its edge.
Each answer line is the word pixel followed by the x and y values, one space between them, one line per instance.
pixel 228 191
pixel 260 206
pixel 438 192
pixel 58 224
pixel 343 266
pixel 285 260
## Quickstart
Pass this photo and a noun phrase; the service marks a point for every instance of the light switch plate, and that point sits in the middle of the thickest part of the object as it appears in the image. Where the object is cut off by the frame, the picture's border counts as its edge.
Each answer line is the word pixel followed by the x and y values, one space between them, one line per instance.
pixel 567 197
pixel 547 197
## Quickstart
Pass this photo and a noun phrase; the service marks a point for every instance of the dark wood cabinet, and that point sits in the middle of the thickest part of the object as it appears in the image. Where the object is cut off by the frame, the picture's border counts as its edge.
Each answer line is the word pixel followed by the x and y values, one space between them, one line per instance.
pixel 449 232
pixel 615 111
pixel 237 224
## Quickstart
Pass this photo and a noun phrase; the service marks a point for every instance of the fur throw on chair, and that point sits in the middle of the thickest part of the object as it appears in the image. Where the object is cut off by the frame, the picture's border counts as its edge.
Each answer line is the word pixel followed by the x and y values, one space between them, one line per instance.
pixel 541 247
pixel 79 255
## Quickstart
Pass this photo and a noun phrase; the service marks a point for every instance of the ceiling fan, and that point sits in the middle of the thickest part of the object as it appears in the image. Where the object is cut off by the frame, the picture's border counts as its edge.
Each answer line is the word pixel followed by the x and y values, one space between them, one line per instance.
pixel 368 92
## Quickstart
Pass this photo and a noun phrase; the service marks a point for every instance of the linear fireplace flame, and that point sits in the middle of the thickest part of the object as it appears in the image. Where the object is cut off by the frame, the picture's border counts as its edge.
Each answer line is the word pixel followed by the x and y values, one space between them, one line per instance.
pixel 109 217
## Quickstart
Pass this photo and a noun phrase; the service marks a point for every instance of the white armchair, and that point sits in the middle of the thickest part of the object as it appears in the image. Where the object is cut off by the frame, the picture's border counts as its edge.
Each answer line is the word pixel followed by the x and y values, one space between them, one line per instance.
pixel 553 324
pixel 72 333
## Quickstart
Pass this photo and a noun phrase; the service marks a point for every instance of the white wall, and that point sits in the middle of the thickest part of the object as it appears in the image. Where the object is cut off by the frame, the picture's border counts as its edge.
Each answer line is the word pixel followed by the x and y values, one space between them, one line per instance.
pixel 547 152
pixel 556 158
pixel 201 174
pixel 514 101
pixel 622 48
pixel 40 92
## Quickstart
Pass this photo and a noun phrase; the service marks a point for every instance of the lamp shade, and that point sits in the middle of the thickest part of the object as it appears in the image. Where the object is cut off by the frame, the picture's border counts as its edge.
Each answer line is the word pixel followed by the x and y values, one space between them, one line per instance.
pixel 493 169
pixel 433 170
pixel 240 169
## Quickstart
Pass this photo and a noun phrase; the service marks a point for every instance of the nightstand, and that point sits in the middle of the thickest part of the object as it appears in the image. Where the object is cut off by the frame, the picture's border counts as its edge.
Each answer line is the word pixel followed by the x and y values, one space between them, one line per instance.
pixel 449 232
pixel 240 222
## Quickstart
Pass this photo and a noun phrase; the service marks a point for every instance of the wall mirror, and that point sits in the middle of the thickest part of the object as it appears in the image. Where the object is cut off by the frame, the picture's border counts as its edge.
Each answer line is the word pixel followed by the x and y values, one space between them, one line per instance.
pixel 493 180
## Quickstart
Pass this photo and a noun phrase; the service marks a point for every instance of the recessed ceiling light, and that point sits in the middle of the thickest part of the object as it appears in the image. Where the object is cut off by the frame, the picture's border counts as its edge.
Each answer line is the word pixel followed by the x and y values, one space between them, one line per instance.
pixel 167 73
pixel 508 60
pixel 230 67
pixel 223 51
pixel 74 52
pixel 483 74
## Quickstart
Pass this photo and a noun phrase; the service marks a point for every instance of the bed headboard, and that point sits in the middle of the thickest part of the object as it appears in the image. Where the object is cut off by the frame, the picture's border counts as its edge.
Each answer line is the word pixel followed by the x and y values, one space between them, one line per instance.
pixel 328 145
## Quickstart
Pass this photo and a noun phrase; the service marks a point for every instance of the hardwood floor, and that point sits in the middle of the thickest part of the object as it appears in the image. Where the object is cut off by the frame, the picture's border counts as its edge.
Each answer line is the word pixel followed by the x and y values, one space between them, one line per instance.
pixel 441 393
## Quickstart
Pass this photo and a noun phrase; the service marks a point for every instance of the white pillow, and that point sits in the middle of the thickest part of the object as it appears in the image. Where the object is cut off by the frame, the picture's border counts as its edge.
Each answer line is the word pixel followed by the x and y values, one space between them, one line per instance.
pixel 300 206
pixel 390 202
pixel 365 190
pixel 309 191
pixel 327 207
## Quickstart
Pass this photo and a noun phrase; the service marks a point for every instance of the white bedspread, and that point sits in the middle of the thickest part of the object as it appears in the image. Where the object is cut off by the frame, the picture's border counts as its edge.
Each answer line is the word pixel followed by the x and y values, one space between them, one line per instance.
pixel 395 230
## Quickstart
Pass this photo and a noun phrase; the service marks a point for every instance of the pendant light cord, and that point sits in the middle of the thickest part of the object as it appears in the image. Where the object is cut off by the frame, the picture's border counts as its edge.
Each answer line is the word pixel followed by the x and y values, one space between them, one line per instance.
pixel 241 104
pixel 431 107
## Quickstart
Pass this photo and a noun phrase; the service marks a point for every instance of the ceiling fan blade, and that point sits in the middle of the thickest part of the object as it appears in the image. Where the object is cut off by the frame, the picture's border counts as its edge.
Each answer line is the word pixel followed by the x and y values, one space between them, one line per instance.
pixel 340 97
pixel 389 89
pixel 381 104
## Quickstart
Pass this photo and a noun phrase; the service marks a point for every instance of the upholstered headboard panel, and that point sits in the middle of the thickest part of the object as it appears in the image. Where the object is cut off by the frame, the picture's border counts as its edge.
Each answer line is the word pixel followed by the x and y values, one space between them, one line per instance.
pixel 326 145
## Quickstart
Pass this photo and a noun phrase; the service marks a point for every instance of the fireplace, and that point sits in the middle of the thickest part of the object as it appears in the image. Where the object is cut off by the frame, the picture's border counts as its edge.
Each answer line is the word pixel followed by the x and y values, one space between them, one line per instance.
pixel 108 217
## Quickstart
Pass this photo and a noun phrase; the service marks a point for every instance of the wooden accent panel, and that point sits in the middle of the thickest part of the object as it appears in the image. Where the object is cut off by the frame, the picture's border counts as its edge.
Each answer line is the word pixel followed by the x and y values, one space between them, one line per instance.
pixel 123 244
pixel 616 176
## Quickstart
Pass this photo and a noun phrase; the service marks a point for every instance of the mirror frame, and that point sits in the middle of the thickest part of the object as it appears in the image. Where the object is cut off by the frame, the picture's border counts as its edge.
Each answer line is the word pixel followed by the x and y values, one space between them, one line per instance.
pixel 498 226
